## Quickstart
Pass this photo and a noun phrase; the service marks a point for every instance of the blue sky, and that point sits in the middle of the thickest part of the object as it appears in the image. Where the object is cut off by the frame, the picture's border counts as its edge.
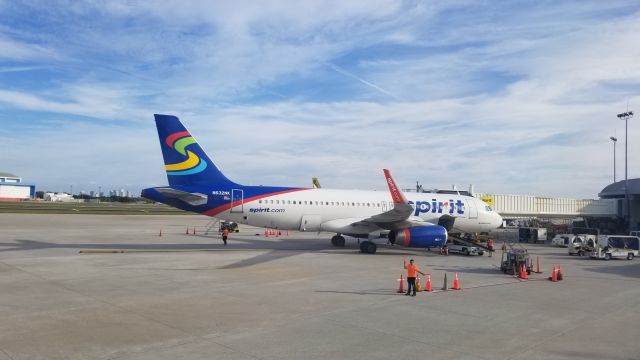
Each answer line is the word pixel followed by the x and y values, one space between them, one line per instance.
pixel 514 97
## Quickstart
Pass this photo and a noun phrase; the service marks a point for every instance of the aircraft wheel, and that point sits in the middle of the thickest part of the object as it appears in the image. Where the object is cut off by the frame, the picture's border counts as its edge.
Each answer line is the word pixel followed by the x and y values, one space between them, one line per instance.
pixel 607 256
pixel 630 256
pixel 370 247
pixel 337 240
pixel 363 245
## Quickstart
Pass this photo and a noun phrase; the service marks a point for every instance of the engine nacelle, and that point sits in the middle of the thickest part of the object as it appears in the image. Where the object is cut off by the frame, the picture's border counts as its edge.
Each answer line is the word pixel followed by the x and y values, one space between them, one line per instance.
pixel 422 236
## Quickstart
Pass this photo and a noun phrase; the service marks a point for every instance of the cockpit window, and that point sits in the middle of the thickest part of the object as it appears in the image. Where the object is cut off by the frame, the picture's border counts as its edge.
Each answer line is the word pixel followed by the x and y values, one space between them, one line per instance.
pixel 488 208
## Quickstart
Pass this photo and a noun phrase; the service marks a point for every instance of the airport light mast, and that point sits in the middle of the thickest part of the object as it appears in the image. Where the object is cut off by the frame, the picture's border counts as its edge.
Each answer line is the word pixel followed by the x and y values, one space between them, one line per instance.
pixel 615 141
pixel 626 116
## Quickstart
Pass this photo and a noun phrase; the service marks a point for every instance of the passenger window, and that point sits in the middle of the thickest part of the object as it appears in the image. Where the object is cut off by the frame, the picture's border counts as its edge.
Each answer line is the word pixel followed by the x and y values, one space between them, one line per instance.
pixel 368 204
pixel 277 201
pixel 288 201
pixel 305 202
pixel 259 201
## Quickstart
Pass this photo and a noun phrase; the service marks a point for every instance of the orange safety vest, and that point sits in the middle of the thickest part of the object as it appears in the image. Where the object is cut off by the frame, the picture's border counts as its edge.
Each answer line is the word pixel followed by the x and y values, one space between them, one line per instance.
pixel 411 270
pixel 225 232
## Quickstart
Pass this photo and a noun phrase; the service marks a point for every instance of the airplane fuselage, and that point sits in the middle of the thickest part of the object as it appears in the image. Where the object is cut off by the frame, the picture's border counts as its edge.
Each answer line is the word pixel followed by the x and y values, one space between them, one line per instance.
pixel 332 210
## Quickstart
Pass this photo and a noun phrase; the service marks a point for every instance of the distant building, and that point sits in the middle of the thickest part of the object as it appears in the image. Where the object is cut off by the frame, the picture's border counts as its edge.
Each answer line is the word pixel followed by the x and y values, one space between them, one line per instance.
pixel 13 189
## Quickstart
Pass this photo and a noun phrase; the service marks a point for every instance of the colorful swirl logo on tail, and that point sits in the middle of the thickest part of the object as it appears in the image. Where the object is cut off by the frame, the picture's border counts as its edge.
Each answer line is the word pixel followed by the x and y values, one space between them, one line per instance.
pixel 193 165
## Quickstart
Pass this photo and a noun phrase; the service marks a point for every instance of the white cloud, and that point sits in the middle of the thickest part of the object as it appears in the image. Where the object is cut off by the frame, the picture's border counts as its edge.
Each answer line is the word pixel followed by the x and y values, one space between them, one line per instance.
pixel 544 133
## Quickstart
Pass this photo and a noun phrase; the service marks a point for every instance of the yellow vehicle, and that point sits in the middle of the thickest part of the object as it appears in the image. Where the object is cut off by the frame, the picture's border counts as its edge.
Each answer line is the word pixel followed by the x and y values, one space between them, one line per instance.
pixel 229 225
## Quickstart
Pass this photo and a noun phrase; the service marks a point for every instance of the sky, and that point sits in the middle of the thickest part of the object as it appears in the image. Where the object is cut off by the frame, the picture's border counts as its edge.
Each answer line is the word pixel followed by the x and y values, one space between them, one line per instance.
pixel 514 97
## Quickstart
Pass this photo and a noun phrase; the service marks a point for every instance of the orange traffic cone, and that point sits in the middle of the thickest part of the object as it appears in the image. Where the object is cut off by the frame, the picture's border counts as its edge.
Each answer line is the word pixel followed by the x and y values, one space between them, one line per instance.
pixel 523 272
pixel 418 285
pixel 456 283
pixel 160 234
pixel 553 274
pixel 427 286
pixel 266 233
pixel 187 232
pixel 401 288
pixel 277 233
pixel 194 230
pixel 559 276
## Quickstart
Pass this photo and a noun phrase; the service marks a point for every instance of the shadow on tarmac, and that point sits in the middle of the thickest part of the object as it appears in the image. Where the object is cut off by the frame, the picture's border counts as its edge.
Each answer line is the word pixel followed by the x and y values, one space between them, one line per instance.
pixel 276 249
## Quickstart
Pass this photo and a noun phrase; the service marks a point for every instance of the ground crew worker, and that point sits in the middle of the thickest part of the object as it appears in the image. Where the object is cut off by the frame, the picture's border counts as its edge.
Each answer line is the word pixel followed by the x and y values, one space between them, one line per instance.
pixel 490 246
pixel 411 276
pixel 225 234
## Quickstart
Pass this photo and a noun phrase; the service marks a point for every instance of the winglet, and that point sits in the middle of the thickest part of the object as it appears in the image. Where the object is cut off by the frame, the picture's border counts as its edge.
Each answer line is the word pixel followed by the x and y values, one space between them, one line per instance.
pixel 396 194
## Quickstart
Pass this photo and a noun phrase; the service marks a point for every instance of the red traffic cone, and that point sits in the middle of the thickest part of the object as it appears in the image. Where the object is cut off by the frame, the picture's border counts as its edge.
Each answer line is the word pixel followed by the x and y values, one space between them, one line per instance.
pixel 401 288
pixel 277 233
pixel 523 272
pixel 194 230
pixel 559 276
pixel 187 232
pixel 456 283
pixel 427 286
pixel 160 234
pixel 553 274
pixel 266 232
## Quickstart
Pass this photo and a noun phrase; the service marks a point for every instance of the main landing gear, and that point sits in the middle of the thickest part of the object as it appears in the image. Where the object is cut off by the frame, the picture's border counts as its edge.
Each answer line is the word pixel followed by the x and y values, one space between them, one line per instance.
pixel 337 240
pixel 368 247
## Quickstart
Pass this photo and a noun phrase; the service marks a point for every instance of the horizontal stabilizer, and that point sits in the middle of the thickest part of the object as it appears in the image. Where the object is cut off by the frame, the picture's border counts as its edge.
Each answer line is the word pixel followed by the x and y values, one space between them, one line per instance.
pixel 194 199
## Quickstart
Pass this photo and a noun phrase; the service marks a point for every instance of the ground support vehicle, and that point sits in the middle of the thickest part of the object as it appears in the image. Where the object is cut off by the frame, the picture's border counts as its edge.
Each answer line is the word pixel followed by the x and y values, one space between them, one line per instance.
pixel 582 244
pixel 616 246
pixel 561 240
pixel 464 249
pixel 513 260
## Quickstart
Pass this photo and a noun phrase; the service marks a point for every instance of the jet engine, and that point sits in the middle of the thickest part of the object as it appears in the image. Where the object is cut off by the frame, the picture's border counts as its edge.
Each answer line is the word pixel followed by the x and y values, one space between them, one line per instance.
pixel 420 236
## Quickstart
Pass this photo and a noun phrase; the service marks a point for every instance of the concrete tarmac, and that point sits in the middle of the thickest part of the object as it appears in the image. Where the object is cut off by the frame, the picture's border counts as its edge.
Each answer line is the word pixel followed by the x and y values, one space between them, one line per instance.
pixel 291 297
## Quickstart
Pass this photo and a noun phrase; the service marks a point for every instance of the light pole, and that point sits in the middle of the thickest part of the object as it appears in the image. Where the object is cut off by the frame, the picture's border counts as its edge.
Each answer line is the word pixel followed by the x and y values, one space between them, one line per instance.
pixel 626 116
pixel 615 140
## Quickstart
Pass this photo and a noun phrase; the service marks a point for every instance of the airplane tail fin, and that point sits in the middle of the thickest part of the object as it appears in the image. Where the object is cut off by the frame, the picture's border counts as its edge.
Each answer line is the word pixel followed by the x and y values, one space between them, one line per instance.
pixel 185 161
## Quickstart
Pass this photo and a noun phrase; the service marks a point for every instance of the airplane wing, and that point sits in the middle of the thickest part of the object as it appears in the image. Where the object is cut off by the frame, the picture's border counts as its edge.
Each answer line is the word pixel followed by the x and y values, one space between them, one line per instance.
pixel 397 218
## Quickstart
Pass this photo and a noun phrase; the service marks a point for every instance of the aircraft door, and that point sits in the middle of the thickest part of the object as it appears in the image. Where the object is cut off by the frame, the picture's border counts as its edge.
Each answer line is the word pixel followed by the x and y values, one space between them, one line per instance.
pixel 473 211
pixel 237 201
pixel 384 206
pixel 310 222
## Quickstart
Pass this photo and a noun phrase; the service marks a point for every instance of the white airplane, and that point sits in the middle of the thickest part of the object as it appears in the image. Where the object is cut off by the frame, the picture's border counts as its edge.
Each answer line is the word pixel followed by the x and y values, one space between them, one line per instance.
pixel 413 220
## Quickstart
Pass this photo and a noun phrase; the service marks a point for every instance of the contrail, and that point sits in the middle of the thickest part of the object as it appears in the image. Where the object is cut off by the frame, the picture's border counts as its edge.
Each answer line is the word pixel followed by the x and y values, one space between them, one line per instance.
pixel 342 71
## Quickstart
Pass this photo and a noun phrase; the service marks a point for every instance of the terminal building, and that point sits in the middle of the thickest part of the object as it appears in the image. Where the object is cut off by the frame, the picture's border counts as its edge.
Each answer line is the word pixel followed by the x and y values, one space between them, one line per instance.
pixel 609 213
pixel 13 189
